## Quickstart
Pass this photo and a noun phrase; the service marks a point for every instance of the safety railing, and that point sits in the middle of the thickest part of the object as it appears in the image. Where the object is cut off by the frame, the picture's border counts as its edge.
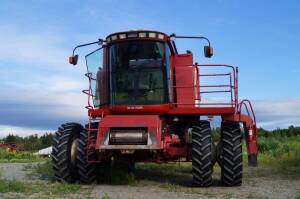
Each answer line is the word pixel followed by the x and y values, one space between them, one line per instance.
pixel 231 87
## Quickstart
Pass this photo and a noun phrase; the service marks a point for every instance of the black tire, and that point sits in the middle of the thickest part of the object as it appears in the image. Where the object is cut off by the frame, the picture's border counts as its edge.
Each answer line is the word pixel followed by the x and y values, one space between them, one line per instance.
pixel 202 156
pixel 231 157
pixel 64 167
pixel 87 171
pixel 54 153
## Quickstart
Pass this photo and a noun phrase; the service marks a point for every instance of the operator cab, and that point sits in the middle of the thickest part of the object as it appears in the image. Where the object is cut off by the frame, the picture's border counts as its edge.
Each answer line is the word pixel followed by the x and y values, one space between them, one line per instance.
pixel 132 70
pixel 135 70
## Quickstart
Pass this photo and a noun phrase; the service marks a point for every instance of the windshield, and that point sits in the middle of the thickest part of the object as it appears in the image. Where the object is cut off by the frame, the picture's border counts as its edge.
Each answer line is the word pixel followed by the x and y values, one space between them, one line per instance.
pixel 138 73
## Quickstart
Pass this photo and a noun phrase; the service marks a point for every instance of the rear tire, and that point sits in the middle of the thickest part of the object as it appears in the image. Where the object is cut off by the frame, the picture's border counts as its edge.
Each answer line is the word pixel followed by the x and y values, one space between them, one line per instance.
pixel 64 152
pixel 231 157
pixel 202 156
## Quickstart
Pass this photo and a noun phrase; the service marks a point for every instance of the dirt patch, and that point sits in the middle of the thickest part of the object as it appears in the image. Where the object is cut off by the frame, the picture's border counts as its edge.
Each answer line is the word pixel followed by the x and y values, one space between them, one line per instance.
pixel 148 192
pixel 15 171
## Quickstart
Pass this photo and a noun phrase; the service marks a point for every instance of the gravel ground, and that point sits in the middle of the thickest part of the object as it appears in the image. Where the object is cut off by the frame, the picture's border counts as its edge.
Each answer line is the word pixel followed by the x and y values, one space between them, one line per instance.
pixel 257 183
pixel 15 171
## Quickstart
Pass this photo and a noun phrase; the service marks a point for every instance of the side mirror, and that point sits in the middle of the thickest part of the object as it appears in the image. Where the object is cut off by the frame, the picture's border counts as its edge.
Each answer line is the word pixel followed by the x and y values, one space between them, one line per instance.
pixel 73 59
pixel 208 51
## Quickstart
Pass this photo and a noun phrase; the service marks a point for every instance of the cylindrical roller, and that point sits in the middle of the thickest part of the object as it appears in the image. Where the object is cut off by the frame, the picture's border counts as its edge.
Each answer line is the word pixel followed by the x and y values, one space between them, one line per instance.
pixel 128 136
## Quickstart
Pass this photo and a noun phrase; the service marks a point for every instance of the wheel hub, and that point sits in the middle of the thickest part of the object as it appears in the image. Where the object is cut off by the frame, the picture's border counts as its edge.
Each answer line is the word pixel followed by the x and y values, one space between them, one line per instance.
pixel 74 151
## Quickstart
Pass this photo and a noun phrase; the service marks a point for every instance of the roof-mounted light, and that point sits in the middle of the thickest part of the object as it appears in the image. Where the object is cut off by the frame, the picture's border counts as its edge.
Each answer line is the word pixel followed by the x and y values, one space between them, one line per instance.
pixel 142 34
pixel 134 35
pixel 161 36
pixel 114 37
pixel 152 35
pixel 122 36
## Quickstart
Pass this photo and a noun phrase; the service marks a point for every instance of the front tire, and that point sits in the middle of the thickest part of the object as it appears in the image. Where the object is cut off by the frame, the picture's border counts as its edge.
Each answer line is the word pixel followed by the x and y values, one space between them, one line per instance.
pixel 202 156
pixel 231 157
pixel 87 170
pixel 64 152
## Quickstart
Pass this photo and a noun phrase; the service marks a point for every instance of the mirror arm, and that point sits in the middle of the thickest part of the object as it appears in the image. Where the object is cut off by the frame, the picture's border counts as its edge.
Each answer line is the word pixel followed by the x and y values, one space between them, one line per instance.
pixel 99 42
pixel 190 37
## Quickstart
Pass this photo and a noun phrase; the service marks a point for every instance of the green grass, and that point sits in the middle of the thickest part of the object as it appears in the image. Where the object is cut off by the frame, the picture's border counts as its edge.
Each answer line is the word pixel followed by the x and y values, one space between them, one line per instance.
pixel 12 186
pixel 281 153
pixel 49 189
pixel 113 176
pixel 105 196
pixel 43 171
pixel 117 176
pixel 18 157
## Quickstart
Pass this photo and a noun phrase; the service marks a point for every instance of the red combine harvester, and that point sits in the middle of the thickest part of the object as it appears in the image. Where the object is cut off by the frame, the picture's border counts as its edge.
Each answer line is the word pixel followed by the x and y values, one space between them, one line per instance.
pixel 146 103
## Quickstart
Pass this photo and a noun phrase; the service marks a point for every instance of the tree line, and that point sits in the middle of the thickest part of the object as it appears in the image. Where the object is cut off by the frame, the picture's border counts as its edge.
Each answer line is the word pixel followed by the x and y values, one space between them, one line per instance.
pixel 29 143
pixel 35 142
pixel 261 132
pixel 287 132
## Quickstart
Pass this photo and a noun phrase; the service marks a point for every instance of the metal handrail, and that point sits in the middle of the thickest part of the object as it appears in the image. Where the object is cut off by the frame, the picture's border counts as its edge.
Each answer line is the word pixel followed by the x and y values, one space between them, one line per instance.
pixel 233 82
pixel 235 78
pixel 88 91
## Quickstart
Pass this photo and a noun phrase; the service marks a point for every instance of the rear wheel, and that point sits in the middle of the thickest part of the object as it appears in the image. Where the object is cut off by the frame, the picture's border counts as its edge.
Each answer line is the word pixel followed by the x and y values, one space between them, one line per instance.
pixel 202 156
pixel 231 159
pixel 64 152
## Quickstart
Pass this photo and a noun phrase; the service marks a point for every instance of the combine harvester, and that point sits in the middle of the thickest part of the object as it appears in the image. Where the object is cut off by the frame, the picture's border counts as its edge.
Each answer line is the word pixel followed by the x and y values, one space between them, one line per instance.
pixel 146 104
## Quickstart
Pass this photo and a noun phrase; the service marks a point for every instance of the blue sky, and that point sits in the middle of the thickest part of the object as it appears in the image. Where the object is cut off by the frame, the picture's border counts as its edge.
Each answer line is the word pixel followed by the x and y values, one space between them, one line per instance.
pixel 40 90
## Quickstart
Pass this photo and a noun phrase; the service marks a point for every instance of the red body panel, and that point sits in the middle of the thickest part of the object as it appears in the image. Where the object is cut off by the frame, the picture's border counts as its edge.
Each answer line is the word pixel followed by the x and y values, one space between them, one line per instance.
pixel 186 78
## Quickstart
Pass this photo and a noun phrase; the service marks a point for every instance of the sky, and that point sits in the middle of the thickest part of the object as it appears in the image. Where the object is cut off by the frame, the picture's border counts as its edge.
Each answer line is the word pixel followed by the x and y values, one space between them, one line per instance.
pixel 39 90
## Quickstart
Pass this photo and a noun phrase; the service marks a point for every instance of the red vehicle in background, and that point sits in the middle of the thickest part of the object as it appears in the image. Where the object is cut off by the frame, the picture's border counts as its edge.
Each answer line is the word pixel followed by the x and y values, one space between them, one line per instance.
pixel 148 103
pixel 9 147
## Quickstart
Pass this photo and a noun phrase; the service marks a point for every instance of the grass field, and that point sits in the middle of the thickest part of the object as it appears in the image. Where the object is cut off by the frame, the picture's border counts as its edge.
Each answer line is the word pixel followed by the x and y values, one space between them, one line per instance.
pixel 281 153
pixel 18 156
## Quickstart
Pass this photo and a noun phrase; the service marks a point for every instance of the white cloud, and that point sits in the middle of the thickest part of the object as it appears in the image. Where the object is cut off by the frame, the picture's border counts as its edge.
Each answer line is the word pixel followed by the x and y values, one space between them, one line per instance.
pixel 49 87
pixel 57 91
pixel 277 113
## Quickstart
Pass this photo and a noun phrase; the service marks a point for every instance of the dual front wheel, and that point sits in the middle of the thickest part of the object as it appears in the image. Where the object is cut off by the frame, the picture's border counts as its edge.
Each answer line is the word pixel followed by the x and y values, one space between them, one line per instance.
pixel 69 155
pixel 229 154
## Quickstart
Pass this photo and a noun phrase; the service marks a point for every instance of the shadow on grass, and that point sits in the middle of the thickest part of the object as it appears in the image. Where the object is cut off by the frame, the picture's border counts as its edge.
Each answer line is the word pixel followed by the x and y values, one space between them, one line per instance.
pixel 177 174
pixel 174 174
pixel 164 173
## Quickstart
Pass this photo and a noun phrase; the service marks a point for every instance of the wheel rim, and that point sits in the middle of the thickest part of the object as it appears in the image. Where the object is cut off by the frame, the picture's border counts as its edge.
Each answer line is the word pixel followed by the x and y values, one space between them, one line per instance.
pixel 74 151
